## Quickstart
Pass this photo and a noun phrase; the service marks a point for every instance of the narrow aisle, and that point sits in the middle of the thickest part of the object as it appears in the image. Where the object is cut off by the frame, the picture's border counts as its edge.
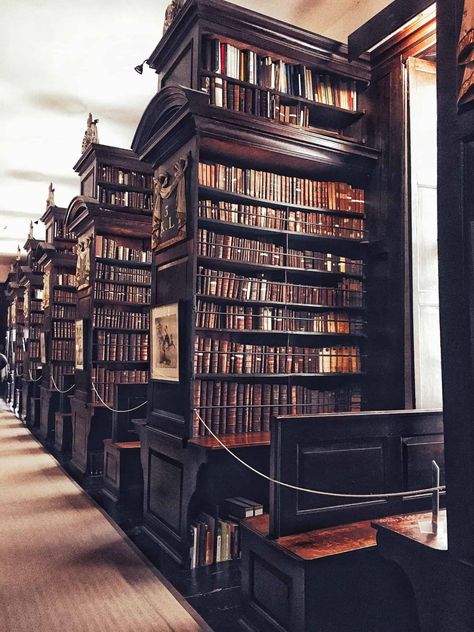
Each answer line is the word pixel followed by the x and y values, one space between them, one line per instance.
pixel 63 565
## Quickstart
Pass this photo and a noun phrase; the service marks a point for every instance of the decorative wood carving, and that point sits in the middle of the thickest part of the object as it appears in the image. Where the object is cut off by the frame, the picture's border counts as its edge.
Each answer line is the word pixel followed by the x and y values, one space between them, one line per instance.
pixel 83 266
pixel 50 198
pixel 169 206
pixel 171 12
pixel 465 54
pixel 91 134
pixel 46 282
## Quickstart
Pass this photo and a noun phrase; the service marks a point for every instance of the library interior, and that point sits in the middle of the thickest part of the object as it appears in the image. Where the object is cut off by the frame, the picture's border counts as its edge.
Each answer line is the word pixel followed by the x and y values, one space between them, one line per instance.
pixel 236 368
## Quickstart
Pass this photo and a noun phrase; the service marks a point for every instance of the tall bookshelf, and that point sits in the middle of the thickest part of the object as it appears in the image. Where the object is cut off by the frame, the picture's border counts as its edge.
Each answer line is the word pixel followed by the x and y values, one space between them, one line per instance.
pixel 32 281
pixel 58 262
pixel 15 345
pixel 113 294
pixel 267 270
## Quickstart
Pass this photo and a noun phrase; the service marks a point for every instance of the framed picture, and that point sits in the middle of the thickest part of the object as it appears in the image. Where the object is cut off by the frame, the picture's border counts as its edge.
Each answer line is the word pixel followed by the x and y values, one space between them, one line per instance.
pixel 43 347
pixel 164 343
pixel 79 362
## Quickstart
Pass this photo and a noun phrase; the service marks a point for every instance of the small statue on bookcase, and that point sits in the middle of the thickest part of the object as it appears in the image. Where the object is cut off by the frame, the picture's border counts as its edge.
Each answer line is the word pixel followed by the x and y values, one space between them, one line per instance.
pixel 91 134
pixel 169 206
pixel 46 282
pixel 83 265
pixel 465 55
pixel 50 198
pixel 171 12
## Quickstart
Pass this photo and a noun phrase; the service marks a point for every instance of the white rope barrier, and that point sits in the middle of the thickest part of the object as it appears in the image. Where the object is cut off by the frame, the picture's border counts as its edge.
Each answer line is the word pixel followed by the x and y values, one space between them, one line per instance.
pixel 316 491
pixel 130 410
pixel 31 376
pixel 58 389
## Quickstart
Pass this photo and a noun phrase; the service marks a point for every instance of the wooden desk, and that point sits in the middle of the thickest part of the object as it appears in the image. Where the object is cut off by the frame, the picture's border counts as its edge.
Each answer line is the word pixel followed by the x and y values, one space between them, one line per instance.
pixel 325 580
pixel 436 579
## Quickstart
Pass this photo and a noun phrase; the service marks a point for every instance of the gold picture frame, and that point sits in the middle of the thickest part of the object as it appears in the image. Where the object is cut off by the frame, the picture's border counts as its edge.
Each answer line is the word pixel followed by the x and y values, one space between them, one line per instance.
pixel 164 343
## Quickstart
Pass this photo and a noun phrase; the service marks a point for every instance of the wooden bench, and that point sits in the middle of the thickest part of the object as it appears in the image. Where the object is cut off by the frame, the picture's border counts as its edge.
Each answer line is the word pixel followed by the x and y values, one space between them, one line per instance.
pixel 312 564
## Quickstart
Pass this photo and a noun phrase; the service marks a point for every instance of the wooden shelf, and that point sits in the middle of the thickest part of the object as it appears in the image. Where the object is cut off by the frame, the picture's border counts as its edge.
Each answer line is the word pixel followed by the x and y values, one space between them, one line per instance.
pixel 323 114
pixel 105 301
pixel 100 280
pixel 292 236
pixel 242 440
pixel 237 301
pixel 249 200
pixel 123 187
pixel 273 376
pixel 124 263
pixel 273 269
pixel 309 334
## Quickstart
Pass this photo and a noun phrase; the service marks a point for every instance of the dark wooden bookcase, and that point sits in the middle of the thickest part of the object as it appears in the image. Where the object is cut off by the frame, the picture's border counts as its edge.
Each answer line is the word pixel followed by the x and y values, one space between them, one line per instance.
pixel 15 348
pixel 58 262
pixel 32 281
pixel 113 290
pixel 266 269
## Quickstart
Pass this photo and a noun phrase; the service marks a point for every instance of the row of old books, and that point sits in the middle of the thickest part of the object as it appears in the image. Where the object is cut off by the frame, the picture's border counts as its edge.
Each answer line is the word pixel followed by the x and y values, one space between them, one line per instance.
pixel 346 293
pixel 256 102
pixel 62 349
pixel 63 278
pixel 108 248
pixel 36 305
pixel 104 380
pixel 117 347
pixel 216 538
pixel 233 248
pixel 276 74
pixel 63 329
pixel 214 316
pixel 234 408
pixel 242 249
pixel 221 355
pixel 337 196
pixel 64 296
pixel 35 329
pixel 33 349
pixel 120 273
pixel 35 318
pixel 109 317
pixel 116 175
pixel 134 199
pixel 306 222
pixel 106 291
pixel 64 312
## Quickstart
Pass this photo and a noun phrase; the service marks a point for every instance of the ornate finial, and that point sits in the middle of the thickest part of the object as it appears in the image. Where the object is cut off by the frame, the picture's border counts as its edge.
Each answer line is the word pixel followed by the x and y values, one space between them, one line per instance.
pixel 171 12
pixel 18 253
pixel 90 135
pixel 50 198
pixel 30 232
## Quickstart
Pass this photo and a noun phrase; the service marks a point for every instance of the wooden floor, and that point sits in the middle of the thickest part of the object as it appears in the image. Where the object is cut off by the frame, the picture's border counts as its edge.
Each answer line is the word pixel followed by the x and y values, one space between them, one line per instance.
pixel 63 565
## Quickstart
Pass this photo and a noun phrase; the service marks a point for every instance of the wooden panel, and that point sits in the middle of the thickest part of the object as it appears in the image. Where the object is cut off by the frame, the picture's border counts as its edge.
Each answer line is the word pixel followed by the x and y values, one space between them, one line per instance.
pixel 165 477
pixel 111 469
pixel 274 602
pixel 418 453
pixel 340 467
pixel 180 72
pixel 352 453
